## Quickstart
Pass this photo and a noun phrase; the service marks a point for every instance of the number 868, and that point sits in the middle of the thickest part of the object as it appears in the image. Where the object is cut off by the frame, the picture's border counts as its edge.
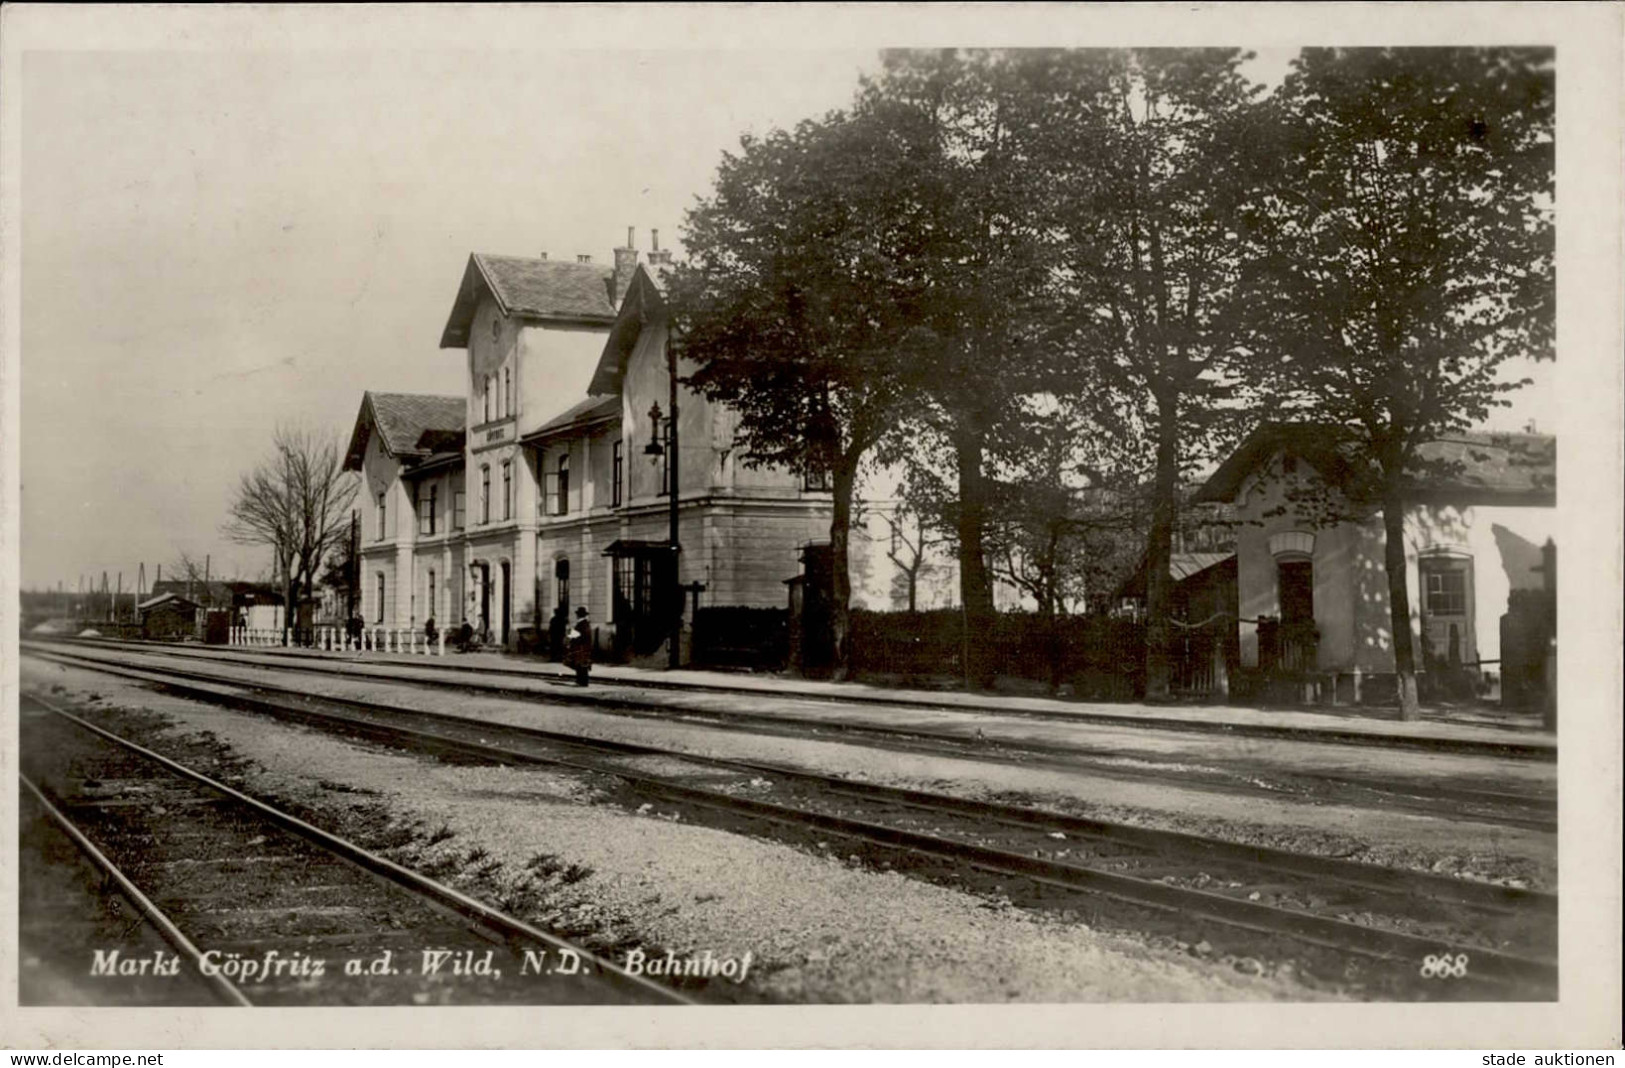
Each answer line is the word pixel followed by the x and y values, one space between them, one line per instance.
pixel 1444 966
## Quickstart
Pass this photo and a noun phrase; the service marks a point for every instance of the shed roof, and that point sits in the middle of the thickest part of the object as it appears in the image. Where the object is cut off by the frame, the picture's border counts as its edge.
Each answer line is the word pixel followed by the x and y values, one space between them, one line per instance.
pixel 583 413
pixel 526 288
pixel 1181 566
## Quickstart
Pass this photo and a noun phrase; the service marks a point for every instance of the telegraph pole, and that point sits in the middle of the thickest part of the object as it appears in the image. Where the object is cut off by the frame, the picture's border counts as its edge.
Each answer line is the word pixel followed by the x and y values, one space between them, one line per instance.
pixel 674 660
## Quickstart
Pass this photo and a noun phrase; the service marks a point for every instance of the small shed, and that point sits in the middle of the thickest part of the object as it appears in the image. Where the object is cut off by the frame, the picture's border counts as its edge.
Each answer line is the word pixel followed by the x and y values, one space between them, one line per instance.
pixel 168 617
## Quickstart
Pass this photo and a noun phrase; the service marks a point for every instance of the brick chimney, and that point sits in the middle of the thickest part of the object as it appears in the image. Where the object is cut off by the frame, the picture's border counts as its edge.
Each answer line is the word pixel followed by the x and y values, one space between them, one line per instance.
pixel 658 257
pixel 626 263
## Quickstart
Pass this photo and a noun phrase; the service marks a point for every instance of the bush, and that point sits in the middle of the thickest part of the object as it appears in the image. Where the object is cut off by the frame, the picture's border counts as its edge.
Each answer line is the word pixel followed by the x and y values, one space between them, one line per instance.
pixel 1100 657
pixel 738 637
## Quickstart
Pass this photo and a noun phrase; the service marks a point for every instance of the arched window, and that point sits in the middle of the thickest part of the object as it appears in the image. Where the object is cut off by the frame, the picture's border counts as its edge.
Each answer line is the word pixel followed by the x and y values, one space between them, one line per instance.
pixel 507 489
pixel 507 389
pixel 485 392
pixel 485 493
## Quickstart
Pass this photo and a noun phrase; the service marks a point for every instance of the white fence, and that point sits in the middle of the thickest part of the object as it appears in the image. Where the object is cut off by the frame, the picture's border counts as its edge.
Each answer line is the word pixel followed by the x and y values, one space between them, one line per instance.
pixel 333 639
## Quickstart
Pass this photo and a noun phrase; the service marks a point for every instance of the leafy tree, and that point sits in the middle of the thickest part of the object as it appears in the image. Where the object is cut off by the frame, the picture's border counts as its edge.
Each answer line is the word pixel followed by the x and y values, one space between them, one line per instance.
pixel 977 212
pixel 796 300
pixel 1065 514
pixel 1153 156
pixel 1414 236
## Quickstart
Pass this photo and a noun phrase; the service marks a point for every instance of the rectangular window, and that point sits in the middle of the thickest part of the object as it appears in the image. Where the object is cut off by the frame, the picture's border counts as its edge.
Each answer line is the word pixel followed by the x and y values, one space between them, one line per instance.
pixel 486 398
pixel 485 493
pixel 426 510
pixel 429 601
pixel 816 481
pixel 458 505
pixel 383 526
pixel 615 476
pixel 379 618
pixel 1447 593
pixel 564 484
pixel 507 389
pixel 507 489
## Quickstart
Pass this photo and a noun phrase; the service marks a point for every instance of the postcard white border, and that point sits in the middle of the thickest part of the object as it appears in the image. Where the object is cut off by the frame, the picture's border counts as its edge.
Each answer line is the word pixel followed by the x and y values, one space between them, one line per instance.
pixel 1588 42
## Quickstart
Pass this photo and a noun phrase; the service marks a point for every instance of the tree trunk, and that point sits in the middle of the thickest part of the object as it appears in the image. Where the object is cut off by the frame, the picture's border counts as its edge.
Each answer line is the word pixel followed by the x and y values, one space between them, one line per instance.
pixel 1052 642
pixel 1399 601
pixel 840 608
pixel 1159 546
pixel 975 590
pixel 290 592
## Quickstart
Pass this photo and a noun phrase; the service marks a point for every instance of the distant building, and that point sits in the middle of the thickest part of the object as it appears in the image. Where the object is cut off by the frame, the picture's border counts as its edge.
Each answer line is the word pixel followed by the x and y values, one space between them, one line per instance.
pixel 1480 548
pixel 170 617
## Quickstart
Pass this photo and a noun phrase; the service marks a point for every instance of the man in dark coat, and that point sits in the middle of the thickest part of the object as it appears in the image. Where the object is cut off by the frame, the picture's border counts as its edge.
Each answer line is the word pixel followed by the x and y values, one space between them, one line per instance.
pixel 578 654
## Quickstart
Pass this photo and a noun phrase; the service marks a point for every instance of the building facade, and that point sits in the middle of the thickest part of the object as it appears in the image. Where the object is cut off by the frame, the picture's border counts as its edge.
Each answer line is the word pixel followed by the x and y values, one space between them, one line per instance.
pixel 538 491
pixel 1479 533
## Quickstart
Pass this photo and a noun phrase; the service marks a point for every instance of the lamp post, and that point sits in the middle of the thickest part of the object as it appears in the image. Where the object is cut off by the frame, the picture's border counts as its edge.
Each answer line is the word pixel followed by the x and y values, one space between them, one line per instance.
pixel 675 598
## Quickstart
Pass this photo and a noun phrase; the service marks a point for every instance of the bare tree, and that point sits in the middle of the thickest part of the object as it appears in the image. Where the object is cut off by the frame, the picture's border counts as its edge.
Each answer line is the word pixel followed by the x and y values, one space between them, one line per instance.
pixel 909 549
pixel 297 502
pixel 195 573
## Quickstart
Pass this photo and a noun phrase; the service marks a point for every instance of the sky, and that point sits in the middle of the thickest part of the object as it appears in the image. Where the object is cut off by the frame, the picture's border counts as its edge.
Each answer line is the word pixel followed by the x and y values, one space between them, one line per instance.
pixel 218 242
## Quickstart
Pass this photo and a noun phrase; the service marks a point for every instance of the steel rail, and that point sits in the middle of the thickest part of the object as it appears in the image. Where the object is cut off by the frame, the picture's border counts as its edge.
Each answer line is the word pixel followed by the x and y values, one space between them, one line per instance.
pixel 223 988
pixel 882 737
pixel 1266 858
pixel 1490 966
pixel 459 902
pixel 1471 747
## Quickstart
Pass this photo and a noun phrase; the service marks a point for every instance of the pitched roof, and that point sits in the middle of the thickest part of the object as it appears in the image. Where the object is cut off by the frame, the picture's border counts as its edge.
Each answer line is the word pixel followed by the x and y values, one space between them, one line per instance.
pixel 411 425
pixel 581 414
pixel 531 289
pixel 1487 466
pixel 195 591
pixel 645 301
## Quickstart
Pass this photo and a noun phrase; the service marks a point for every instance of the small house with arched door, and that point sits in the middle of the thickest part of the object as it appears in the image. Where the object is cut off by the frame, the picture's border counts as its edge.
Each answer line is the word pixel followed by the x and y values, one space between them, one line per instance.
pixel 1311 578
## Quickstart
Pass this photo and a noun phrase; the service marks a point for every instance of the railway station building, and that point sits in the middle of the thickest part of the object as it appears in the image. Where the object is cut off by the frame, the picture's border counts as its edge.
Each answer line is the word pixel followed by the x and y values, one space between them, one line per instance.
pixel 546 485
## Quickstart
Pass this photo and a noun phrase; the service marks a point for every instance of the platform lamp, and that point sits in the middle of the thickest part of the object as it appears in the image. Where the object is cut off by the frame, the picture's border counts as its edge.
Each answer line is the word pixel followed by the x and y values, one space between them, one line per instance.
pixel 673 546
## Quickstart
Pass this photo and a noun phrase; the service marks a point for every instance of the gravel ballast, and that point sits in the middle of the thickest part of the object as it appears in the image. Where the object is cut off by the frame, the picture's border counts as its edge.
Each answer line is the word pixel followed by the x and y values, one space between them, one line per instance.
pixel 1472 849
pixel 819 929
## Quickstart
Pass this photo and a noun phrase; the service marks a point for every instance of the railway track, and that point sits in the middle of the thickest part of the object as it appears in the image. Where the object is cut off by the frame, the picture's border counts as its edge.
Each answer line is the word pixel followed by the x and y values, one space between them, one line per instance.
pixel 260 907
pixel 1373 925
pixel 625 692
pixel 1511 808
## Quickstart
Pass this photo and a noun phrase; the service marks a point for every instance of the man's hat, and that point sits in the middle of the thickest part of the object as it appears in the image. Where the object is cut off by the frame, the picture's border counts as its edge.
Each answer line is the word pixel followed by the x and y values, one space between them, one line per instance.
pixel 581 612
